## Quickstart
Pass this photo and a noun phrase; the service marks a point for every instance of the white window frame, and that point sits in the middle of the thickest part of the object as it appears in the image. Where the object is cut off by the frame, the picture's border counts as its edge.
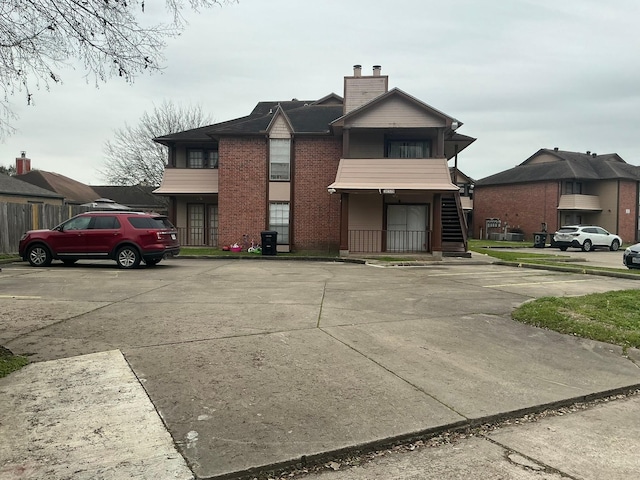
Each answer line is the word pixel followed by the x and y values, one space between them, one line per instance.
pixel 279 221
pixel 280 159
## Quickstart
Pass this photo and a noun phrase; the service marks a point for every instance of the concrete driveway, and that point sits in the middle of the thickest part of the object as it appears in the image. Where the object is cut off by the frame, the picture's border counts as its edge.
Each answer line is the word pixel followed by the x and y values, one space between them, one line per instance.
pixel 258 363
pixel 597 258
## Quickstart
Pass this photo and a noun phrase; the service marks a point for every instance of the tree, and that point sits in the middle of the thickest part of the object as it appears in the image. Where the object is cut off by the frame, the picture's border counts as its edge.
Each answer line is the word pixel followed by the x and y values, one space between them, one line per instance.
pixel 133 158
pixel 39 38
pixel 10 170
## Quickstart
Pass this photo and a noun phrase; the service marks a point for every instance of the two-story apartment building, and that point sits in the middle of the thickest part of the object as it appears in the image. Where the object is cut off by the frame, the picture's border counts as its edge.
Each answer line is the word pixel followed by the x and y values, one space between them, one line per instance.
pixel 554 187
pixel 366 172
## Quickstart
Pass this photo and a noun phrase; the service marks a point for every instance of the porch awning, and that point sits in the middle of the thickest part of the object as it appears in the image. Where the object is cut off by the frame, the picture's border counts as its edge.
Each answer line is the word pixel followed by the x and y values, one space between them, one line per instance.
pixel 393 174
pixel 199 181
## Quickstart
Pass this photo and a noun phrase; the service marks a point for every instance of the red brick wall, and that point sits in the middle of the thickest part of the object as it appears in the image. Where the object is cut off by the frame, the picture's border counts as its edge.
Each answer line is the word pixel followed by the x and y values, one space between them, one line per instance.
pixel 243 185
pixel 523 206
pixel 242 188
pixel 628 200
pixel 316 213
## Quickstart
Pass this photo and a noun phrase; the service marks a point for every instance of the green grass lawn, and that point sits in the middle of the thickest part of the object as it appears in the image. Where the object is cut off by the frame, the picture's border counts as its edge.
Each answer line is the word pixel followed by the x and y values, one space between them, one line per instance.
pixel 9 362
pixel 610 317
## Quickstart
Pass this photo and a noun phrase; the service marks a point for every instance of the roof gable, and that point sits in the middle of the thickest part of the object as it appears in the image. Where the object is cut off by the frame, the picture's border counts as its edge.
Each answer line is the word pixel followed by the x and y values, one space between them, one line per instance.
pixel 280 125
pixel 395 98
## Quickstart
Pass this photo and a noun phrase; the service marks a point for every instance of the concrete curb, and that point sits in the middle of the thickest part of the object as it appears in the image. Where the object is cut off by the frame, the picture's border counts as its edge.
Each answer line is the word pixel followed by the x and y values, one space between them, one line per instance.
pixel 559 268
pixel 317 460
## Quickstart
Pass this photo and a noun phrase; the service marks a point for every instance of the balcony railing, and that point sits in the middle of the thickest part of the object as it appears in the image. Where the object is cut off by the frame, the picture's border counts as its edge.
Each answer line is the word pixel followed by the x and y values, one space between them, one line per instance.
pixel 377 241
pixel 198 237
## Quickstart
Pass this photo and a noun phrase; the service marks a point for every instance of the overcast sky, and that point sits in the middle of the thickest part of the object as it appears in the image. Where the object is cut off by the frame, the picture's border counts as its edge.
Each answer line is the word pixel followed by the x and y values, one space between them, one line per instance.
pixel 520 74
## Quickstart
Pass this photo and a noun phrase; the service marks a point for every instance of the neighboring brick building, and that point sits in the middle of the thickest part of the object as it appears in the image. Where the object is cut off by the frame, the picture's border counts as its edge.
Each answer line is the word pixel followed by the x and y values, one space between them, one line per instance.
pixel 556 188
pixel 364 173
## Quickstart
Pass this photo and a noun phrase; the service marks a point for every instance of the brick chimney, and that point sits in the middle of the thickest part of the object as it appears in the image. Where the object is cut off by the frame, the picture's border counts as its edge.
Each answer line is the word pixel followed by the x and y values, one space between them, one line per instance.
pixel 23 164
pixel 360 89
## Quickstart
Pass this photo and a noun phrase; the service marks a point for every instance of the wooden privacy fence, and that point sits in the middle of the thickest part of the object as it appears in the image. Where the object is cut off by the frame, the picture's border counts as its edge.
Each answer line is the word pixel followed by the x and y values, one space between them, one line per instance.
pixel 17 218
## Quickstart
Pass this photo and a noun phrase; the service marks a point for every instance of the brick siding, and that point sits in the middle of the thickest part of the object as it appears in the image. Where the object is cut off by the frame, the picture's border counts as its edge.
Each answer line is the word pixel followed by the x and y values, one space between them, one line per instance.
pixel 316 213
pixel 523 206
pixel 627 222
pixel 242 188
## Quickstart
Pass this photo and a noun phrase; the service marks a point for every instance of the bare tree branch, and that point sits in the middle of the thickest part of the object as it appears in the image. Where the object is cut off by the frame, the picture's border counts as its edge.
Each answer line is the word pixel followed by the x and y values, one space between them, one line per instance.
pixel 133 158
pixel 39 38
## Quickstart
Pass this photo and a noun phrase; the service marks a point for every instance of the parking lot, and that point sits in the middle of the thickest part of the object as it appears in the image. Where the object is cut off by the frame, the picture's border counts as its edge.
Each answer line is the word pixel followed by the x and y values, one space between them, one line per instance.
pixel 597 258
pixel 254 362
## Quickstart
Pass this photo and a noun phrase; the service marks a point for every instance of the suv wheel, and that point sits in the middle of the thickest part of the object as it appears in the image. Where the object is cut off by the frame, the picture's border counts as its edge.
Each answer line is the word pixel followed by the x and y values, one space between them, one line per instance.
pixel 39 256
pixel 615 245
pixel 587 246
pixel 128 257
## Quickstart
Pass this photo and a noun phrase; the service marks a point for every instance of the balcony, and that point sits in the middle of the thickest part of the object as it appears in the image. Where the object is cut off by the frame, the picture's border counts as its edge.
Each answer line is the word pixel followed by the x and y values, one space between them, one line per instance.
pixel 195 181
pixel 589 203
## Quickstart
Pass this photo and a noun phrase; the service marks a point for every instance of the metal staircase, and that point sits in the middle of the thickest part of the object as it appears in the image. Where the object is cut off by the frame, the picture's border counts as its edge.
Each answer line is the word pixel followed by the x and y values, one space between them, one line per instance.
pixel 454 227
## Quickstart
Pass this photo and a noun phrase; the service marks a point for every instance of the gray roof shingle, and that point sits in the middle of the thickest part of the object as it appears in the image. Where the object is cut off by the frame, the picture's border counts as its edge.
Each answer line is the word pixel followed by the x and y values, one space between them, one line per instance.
pixel 14 187
pixel 570 166
pixel 306 117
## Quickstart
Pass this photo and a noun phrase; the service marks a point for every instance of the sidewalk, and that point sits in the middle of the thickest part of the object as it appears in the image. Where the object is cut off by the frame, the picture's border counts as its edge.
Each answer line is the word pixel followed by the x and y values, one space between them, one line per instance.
pixel 83 418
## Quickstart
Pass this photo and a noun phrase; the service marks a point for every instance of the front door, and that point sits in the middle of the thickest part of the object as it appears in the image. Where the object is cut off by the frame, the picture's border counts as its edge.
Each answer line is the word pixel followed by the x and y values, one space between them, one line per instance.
pixel 406 228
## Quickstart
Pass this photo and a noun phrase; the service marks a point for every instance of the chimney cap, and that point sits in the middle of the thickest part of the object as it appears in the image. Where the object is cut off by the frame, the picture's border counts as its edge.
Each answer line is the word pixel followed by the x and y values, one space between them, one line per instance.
pixel 357 70
pixel 23 154
pixel 555 149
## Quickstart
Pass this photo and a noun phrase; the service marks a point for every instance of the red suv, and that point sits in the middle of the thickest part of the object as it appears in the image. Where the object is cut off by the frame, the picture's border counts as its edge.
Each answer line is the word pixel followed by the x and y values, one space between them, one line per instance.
pixel 126 237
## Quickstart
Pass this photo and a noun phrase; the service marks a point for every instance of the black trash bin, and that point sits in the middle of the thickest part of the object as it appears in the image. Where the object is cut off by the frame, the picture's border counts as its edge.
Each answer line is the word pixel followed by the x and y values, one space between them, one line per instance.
pixel 539 239
pixel 269 242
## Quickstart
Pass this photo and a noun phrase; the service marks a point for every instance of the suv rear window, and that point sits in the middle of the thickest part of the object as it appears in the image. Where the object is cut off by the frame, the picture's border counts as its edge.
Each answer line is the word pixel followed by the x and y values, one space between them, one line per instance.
pixel 568 230
pixel 147 222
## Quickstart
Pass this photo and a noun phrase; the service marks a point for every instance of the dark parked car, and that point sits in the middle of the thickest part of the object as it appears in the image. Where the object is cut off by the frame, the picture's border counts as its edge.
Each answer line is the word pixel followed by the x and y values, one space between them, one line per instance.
pixel 126 237
pixel 586 237
pixel 631 256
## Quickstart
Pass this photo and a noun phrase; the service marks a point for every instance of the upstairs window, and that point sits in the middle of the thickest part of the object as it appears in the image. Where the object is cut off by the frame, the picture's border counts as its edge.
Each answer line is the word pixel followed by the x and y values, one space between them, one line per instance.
pixel 202 158
pixel 279 159
pixel 408 149
pixel 572 188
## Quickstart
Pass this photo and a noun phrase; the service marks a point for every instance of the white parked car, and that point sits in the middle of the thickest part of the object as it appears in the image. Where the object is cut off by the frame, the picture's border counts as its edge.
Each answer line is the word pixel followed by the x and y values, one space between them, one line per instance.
pixel 586 237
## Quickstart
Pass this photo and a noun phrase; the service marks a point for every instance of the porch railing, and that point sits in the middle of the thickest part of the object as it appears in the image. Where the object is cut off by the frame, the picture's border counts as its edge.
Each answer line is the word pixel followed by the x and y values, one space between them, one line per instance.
pixel 198 237
pixel 378 241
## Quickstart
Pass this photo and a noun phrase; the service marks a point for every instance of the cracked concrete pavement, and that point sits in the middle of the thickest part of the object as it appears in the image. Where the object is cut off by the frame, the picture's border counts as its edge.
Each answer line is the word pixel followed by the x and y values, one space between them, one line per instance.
pixel 257 364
